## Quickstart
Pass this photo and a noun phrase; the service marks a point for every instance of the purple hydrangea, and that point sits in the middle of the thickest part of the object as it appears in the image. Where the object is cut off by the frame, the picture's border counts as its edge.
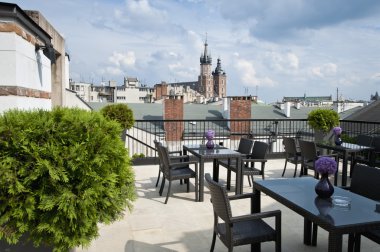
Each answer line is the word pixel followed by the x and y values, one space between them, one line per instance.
pixel 210 134
pixel 337 130
pixel 325 165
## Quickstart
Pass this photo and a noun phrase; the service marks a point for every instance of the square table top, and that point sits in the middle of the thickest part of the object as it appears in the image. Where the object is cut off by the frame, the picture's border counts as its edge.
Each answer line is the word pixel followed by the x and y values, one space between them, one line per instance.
pixel 299 195
pixel 350 147
pixel 200 150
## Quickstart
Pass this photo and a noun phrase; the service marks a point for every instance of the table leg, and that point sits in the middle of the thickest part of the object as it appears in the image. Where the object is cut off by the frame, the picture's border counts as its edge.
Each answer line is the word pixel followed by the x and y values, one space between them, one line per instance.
pixel 239 177
pixel 344 168
pixel 335 242
pixel 307 227
pixel 201 178
pixel 256 208
pixel 215 170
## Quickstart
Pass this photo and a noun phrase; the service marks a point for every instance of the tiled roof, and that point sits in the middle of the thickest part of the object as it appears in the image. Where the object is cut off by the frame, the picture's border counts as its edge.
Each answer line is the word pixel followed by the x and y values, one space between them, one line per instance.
pixel 370 113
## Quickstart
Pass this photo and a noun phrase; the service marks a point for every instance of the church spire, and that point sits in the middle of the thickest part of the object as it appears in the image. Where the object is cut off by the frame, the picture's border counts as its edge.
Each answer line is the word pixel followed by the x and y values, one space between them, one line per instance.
pixel 205 57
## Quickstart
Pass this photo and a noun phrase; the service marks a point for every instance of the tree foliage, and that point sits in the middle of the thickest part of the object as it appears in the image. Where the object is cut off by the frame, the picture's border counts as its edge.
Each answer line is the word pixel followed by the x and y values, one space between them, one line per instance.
pixel 119 112
pixel 61 173
pixel 323 119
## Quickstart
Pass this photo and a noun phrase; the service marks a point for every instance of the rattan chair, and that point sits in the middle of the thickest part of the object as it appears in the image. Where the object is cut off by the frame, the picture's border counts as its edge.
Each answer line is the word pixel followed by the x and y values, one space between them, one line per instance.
pixel 240 230
pixel 309 155
pixel 245 148
pixel 156 144
pixel 365 181
pixel 176 171
pixel 293 155
pixel 258 154
pixel 372 157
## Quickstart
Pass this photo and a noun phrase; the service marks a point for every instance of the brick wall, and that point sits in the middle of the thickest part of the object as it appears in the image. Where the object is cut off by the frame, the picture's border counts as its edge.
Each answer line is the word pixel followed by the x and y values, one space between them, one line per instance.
pixel 160 90
pixel 173 110
pixel 240 108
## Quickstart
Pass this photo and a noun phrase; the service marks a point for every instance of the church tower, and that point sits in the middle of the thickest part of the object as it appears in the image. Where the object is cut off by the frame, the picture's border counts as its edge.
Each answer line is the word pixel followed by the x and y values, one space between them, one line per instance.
pixel 205 80
pixel 220 79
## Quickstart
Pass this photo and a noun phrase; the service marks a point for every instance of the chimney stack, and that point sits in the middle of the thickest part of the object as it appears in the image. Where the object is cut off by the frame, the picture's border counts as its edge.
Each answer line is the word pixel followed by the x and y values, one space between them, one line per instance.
pixel 240 108
pixel 173 110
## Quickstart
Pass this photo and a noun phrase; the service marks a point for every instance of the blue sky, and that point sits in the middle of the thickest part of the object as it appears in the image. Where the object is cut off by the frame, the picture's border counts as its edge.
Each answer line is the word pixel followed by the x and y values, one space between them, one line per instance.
pixel 272 48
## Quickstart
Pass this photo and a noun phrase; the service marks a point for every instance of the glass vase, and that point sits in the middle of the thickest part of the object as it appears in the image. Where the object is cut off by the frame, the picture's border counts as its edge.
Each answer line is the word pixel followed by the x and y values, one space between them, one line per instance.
pixel 324 188
pixel 338 140
pixel 210 144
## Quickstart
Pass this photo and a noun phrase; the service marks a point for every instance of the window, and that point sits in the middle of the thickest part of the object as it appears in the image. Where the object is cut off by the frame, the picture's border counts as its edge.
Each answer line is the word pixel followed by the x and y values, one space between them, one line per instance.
pixel 77 88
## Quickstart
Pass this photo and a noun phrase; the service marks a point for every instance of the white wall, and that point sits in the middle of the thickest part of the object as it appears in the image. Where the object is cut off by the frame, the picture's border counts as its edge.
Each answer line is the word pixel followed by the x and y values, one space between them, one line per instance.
pixel 73 101
pixel 22 66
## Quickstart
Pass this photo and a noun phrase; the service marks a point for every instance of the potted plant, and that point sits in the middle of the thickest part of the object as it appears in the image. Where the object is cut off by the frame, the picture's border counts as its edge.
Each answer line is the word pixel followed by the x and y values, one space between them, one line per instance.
pixel 122 114
pixel 62 173
pixel 323 121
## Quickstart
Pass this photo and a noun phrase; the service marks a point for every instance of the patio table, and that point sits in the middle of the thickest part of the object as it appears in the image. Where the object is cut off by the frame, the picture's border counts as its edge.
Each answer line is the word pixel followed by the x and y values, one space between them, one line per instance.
pixel 298 195
pixel 219 152
pixel 346 149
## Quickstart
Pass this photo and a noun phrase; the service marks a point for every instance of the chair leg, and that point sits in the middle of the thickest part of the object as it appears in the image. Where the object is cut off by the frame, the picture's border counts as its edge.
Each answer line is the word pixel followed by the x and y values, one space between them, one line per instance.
pixel 249 180
pixel 162 184
pixel 262 170
pixel 357 242
pixel 295 171
pixel 188 184
pixel 351 242
pixel 228 179
pixel 167 195
pixel 213 242
pixel 158 177
pixel 283 172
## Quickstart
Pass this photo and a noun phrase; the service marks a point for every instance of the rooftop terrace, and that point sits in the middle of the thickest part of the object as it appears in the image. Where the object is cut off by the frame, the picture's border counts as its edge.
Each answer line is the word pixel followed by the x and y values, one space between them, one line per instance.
pixel 186 225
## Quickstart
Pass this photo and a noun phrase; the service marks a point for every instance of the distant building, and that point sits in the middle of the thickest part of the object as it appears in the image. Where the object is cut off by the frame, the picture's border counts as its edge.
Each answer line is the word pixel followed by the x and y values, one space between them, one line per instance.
pixel 211 84
pixel 309 101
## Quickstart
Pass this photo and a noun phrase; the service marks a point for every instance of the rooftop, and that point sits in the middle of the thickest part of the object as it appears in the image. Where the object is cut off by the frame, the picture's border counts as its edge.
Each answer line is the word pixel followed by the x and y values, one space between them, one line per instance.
pixel 186 225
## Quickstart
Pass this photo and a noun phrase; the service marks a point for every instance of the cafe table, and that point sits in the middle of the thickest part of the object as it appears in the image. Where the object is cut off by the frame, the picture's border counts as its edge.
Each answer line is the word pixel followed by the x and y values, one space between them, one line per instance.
pixel 357 215
pixel 347 150
pixel 204 154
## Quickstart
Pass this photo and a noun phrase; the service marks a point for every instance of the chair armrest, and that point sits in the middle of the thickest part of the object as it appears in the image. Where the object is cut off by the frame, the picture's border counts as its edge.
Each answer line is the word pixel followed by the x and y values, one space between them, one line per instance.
pixel 348 188
pixel 176 165
pixel 255 216
pixel 174 152
pixel 241 196
pixel 253 160
pixel 179 157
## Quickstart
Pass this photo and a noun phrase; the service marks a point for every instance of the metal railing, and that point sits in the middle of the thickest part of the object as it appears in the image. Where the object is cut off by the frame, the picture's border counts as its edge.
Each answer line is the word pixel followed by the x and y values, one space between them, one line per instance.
pixel 176 133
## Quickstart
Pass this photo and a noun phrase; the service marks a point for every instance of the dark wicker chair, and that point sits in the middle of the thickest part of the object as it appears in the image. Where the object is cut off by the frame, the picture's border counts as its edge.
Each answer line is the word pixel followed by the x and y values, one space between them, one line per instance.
pixel 258 154
pixel 309 155
pixel 156 144
pixel 365 182
pixel 372 158
pixel 293 155
pixel 176 171
pixel 245 148
pixel 240 230
pixel 362 157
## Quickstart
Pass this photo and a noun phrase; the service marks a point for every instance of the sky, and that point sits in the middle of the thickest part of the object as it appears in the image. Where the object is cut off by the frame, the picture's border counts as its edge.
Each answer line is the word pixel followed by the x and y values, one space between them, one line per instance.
pixel 268 48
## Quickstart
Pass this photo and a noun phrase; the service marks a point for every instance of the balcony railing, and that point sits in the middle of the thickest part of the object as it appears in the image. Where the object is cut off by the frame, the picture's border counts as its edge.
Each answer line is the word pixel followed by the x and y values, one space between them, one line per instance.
pixel 176 133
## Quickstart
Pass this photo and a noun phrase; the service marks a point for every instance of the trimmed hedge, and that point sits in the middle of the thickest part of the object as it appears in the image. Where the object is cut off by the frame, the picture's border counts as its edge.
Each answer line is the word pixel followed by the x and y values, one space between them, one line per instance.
pixel 323 119
pixel 61 173
pixel 119 112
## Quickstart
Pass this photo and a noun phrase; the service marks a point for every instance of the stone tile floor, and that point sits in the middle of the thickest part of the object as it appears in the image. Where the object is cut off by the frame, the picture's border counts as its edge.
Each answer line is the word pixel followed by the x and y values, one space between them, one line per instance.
pixel 186 225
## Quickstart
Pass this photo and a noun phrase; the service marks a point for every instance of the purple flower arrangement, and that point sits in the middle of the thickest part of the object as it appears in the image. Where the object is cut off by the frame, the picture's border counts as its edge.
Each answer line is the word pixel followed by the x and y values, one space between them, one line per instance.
pixel 210 134
pixel 325 165
pixel 337 131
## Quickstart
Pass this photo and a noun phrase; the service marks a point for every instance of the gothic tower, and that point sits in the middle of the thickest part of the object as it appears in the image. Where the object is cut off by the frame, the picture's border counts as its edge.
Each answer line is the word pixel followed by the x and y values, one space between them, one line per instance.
pixel 220 79
pixel 205 80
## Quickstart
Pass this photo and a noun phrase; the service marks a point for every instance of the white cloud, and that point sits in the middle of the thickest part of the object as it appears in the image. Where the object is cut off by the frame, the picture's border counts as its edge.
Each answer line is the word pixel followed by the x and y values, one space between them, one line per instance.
pixel 248 75
pixel 326 70
pixel 123 59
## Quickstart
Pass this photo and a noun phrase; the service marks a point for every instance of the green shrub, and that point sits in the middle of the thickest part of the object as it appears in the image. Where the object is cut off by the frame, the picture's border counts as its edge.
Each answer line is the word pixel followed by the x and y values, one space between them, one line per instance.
pixel 61 173
pixel 119 112
pixel 323 119
pixel 138 155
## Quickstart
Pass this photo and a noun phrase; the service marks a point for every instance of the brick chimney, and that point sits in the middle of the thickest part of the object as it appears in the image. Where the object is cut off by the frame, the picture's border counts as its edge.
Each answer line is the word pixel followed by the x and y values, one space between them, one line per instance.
pixel 239 108
pixel 173 110
pixel 161 90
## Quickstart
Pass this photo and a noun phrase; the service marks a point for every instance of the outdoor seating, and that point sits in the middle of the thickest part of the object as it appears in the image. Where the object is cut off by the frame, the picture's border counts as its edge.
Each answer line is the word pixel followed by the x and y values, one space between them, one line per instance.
pixel 156 144
pixel 362 157
pixel 292 154
pixel 176 171
pixel 240 230
pixel 371 158
pixel 258 154
pixel 365 182
pixel 309 155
